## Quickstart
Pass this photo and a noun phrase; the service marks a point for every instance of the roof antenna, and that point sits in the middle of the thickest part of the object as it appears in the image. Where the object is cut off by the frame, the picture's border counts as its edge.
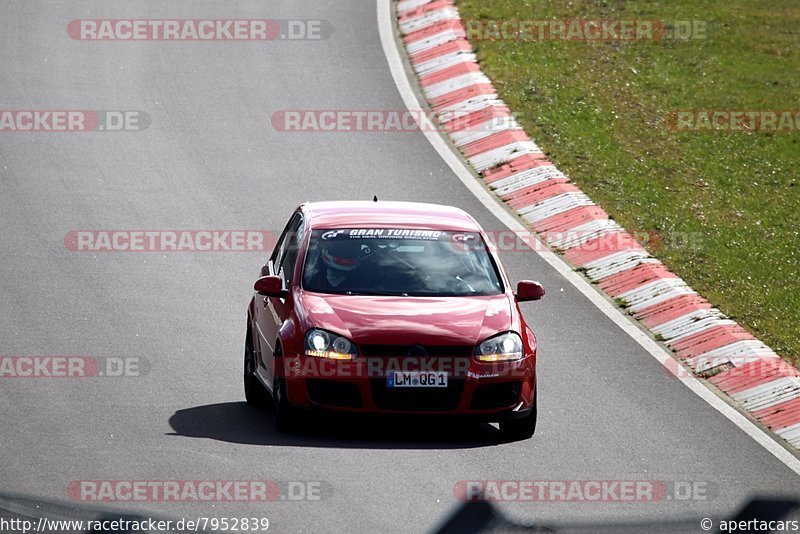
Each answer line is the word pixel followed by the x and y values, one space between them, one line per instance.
pixel 375 198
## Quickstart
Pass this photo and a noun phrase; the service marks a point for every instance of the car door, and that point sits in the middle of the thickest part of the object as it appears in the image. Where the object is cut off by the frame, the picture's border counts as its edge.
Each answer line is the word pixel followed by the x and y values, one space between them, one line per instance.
pixel 271 312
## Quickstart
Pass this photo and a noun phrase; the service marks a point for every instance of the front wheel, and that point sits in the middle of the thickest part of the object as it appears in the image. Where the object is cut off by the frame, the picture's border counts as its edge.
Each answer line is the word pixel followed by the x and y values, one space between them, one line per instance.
pixel 286 418
pixel 280 406
pixel 254 391
pixel 522 428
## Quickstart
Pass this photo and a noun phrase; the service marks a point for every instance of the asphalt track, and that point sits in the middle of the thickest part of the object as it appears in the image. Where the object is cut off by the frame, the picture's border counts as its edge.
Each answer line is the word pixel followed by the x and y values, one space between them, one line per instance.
pixel 211 160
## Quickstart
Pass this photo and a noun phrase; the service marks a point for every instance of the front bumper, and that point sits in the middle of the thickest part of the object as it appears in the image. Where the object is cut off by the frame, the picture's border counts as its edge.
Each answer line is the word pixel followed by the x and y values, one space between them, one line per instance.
pixel 492 392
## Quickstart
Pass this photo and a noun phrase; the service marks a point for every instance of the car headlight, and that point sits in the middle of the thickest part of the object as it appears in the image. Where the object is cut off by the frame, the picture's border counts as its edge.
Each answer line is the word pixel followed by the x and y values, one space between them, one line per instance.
pixel 322 344
pixel 500 348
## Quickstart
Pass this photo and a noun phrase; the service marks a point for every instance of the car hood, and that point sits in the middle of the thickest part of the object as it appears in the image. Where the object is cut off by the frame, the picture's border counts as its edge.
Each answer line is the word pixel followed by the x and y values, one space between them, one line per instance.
pixel 392 320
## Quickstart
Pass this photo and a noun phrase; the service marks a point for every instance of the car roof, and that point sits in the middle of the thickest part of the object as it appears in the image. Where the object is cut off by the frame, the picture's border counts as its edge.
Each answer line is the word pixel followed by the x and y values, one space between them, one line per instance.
pixel 381 214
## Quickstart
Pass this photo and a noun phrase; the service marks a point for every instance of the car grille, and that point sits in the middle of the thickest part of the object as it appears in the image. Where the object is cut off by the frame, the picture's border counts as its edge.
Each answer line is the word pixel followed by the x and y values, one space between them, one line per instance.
pixel 402 351
pixel 451 358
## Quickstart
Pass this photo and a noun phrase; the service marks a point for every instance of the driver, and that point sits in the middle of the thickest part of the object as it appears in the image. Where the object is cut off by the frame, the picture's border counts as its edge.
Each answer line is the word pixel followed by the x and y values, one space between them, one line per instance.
pixel 339 259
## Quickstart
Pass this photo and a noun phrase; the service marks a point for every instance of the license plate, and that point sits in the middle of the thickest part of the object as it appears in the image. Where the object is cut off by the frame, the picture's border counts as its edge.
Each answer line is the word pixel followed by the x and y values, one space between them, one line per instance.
pixel 416 379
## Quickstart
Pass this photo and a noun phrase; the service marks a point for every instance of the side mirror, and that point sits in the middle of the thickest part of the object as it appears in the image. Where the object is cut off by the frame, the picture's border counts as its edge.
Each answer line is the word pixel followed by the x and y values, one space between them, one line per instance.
pixel 270 286
pixel 529 290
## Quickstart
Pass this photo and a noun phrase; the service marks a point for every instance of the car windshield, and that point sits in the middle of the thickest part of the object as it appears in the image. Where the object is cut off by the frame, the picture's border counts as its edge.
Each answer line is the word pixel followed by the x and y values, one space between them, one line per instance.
pixel 397 261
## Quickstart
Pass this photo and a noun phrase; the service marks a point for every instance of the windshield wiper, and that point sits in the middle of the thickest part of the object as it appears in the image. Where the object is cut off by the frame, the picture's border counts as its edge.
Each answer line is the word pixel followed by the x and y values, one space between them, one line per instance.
pixel 471 289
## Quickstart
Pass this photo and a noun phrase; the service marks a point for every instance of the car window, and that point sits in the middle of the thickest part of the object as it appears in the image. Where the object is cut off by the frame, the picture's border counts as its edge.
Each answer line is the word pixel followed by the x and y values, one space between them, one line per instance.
pixel 280 246
pixel 285 257
pixel 400 261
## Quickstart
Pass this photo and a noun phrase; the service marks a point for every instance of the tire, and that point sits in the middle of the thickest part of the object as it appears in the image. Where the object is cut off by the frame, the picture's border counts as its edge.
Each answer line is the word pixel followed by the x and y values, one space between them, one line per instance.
pixel 254 391
pixel 281 411
pixel 522 428
pixel 285 417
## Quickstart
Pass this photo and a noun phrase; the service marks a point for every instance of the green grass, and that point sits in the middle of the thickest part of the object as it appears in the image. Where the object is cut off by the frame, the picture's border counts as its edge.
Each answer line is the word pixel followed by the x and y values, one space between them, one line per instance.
pixel 726 205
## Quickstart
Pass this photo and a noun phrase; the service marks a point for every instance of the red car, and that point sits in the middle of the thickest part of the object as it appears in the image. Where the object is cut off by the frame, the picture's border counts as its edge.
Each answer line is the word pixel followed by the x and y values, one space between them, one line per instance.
pixel 390 307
